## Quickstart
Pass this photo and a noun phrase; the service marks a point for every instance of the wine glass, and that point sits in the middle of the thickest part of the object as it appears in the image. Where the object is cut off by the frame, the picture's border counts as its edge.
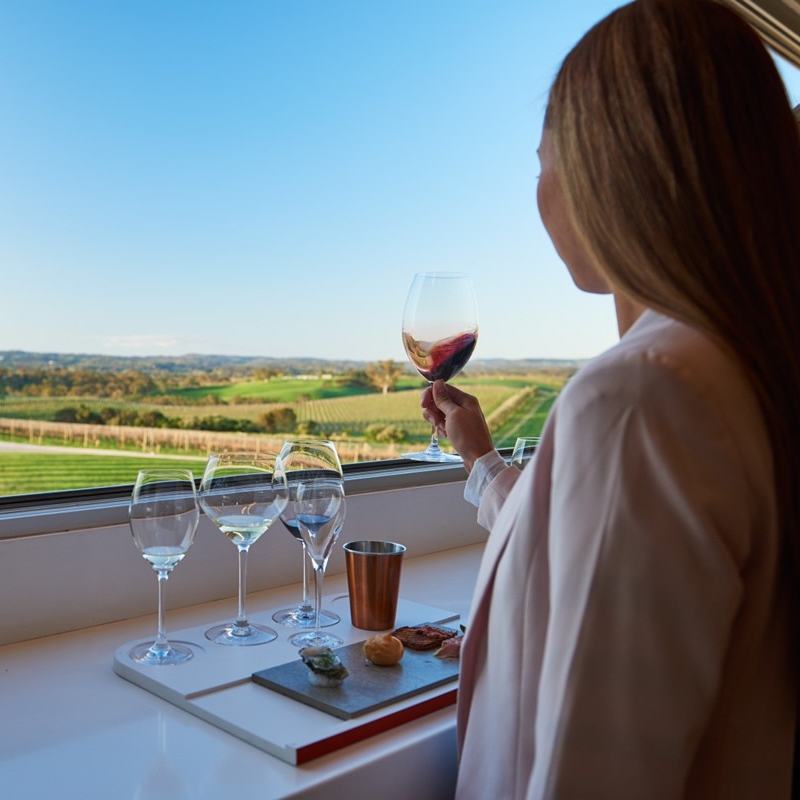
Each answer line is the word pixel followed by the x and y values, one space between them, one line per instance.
pixel 320 510
pixel 243 494
pixel 440 330
pixel 524 448
pixel 306 460
pixel 163 516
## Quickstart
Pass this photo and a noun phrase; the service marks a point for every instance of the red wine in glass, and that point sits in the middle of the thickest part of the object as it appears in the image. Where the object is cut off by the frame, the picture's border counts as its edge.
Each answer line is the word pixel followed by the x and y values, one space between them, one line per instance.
pixel 441 360
pixel 440 331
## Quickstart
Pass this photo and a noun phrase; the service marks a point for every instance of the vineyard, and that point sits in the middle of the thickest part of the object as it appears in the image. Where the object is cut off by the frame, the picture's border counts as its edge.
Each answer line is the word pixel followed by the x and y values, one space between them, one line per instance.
pixel 67 455
pixel 354 414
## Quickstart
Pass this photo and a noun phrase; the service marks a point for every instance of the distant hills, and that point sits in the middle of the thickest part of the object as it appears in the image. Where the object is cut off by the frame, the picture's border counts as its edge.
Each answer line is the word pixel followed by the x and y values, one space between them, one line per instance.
pixel 205 363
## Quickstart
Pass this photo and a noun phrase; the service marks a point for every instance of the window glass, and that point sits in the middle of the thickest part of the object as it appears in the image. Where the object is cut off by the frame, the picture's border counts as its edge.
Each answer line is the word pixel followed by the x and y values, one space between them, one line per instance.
pixel 211 214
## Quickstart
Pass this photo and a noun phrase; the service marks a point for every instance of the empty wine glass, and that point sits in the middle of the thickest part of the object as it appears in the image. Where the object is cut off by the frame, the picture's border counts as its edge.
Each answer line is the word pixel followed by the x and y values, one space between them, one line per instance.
pixel 440 330
pixel 243 494
pixel 524 448
pixel 163 516
pixel 320 510
pixel 306 460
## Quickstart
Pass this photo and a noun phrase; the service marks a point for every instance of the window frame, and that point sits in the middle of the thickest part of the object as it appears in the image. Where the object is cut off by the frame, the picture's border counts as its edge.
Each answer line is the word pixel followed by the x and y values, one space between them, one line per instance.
pixel 778 22
pixel 56 512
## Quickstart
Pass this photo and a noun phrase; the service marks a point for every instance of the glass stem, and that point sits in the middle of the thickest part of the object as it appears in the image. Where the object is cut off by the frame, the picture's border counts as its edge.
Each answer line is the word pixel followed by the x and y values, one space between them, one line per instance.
pixel 161 645
pixel 305 605
pixel 433 447
pixel 319 572
pixel 241 619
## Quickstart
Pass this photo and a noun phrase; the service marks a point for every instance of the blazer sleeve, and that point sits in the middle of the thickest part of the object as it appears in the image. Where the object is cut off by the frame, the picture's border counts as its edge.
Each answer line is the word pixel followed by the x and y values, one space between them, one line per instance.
pixel 648 530
pixel 496 491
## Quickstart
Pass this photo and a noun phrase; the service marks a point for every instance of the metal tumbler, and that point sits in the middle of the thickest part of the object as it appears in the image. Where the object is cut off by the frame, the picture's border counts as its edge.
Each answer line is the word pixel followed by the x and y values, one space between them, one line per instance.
pixel 373 580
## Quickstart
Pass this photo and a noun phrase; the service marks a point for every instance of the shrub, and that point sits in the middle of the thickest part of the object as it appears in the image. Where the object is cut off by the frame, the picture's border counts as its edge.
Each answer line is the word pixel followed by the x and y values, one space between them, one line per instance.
pixel 281 419
pixel 378 432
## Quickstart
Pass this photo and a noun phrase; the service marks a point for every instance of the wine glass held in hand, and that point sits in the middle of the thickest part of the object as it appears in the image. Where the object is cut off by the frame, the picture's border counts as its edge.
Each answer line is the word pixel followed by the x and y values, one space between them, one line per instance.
pixel 306 460
pixel 440 331
pixel 320 510
pixel 163 515
pixel 243 494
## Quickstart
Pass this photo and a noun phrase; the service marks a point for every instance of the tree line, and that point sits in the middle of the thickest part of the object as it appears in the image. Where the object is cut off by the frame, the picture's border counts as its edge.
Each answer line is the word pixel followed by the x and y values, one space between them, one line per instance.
pixel 68 382
pixel 59 381
pixel 277 420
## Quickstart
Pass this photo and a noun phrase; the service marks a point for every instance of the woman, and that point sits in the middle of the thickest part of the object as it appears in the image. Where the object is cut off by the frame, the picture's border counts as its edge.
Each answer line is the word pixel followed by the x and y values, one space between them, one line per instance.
pixel 631 629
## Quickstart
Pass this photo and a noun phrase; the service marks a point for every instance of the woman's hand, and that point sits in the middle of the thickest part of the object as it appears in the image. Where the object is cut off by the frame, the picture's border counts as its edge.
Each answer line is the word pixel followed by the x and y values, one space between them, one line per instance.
pixel 458 417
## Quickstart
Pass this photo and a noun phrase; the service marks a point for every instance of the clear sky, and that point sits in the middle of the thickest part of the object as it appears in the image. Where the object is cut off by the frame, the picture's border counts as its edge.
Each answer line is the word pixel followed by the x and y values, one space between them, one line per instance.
pixel 263 177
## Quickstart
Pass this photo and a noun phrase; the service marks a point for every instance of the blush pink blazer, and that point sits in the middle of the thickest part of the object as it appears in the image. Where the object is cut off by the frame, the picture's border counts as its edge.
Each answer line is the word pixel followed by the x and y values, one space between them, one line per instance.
pixel 629 635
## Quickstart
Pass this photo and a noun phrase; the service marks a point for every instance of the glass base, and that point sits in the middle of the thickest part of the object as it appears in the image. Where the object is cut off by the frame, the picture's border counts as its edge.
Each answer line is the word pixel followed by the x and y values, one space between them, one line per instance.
pixel 297 617
pixel 148 653
pixel 315 639
pixel 232 633
pixel 435 455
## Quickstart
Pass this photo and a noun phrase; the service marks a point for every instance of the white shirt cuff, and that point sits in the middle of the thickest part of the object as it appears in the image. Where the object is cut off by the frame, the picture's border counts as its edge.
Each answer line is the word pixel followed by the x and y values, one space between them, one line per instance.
pixel 484 471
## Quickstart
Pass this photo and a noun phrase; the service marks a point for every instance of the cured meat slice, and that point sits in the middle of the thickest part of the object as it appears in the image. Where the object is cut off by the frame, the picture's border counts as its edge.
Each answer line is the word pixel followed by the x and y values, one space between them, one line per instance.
pixel 451 648
pixel 423 637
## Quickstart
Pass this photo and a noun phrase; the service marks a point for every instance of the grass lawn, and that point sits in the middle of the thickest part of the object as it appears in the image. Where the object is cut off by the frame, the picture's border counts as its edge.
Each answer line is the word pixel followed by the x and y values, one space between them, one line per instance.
pixel 21 473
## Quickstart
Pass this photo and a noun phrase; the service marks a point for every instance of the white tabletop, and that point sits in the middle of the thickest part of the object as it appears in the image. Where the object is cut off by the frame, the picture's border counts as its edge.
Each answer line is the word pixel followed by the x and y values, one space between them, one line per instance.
pixel 72 728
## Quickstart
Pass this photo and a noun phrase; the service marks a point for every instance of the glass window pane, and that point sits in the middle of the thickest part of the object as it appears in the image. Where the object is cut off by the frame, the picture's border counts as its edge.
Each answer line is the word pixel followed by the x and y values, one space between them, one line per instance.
pixel 257 183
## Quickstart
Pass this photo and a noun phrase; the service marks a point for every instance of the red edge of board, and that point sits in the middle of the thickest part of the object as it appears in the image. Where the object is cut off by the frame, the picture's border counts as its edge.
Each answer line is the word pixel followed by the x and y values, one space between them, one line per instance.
pixel 324 746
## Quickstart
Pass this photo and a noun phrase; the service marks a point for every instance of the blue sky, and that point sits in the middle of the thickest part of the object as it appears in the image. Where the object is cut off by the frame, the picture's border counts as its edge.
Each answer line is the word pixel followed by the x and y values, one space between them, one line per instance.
pixel 265 177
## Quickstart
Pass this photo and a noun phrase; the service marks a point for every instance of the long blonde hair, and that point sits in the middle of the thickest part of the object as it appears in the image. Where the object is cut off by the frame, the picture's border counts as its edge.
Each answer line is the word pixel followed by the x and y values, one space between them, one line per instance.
pixel 680 160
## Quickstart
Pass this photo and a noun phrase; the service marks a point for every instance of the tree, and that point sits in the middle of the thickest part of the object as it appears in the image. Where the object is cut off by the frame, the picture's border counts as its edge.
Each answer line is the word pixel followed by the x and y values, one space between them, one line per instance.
pixel 279 419
pixel 378 432
pixel 384 375
pixel 215 422
pixel 68 414
pixel 153 419
pixel 308 427
pixel 264 373
pixel 354 377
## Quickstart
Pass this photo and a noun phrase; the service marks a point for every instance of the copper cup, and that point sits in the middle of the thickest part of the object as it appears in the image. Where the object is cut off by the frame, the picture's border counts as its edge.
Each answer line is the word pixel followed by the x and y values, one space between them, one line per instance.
pixel 373 580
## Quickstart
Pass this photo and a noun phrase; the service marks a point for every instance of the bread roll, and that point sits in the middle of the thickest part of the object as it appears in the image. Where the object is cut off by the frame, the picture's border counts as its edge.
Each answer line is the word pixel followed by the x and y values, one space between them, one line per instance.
pixel 383 649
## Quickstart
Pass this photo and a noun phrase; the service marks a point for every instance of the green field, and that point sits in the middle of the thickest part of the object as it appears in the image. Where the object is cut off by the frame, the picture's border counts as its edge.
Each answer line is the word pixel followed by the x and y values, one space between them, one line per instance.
pixel 281 390
pixel 515 405
pixel 21 473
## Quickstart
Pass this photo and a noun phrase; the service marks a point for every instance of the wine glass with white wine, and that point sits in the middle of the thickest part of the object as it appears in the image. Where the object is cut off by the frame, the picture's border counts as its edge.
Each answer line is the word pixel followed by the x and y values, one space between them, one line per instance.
pixel 243 494
pixel 440 331
pixel 163 516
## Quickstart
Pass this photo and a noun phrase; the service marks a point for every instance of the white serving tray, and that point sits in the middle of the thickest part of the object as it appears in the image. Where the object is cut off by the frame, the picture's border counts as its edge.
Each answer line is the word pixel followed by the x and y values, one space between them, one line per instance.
pixel 216 686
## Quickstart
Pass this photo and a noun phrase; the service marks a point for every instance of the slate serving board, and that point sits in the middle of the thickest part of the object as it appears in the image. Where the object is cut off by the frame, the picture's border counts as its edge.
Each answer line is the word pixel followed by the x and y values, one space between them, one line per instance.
pixel 368 687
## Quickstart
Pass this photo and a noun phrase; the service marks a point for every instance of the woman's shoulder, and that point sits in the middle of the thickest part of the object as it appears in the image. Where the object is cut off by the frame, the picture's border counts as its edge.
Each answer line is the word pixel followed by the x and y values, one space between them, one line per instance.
pixel 659 352
pixel 666 370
